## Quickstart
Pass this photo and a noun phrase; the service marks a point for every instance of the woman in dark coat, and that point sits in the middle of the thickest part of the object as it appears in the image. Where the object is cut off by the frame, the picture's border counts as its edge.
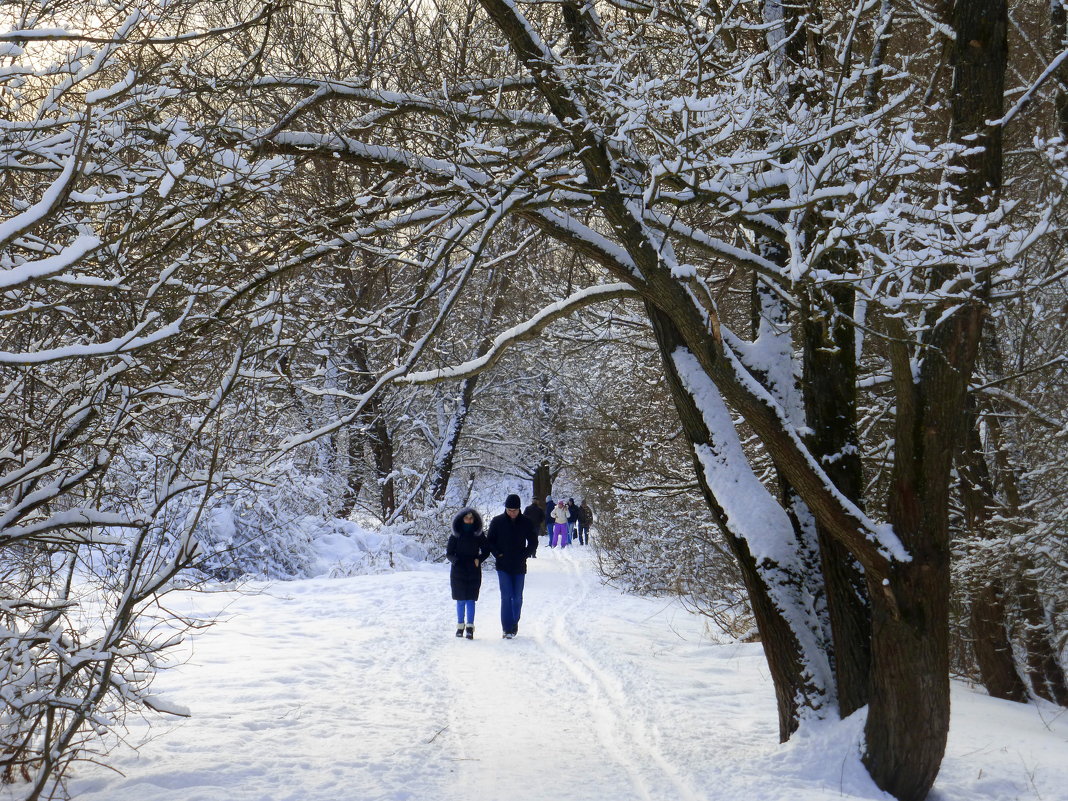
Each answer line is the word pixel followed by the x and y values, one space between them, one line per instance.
pixel 467 550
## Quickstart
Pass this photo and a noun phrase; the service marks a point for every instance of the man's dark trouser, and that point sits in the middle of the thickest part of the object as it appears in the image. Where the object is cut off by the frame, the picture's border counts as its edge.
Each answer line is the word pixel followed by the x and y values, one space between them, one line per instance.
pixel 511 599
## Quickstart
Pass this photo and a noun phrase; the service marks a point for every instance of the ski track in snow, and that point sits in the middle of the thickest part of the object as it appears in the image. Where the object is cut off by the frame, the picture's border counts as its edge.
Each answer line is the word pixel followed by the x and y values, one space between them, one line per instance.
pixel 626 736
pixel 356 690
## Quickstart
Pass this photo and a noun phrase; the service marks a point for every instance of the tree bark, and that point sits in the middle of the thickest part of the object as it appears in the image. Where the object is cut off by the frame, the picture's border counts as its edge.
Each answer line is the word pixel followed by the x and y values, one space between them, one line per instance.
pixel 382 449
pixel 987 619
pixel 829 387
pixel 908 714
pixel 910 632
pixel 828 392
pixel 446 458
pixel 1043 668
pixel 543 482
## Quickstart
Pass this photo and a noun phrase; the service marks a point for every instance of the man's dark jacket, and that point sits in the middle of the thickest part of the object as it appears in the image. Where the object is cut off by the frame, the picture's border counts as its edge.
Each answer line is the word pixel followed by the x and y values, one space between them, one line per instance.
pixel 535 515
pixel 512 542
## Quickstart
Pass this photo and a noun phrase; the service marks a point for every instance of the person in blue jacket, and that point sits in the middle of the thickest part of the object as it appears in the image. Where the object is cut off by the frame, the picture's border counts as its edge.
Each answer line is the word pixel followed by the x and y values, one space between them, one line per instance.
pixel 512 540
pixel 467 549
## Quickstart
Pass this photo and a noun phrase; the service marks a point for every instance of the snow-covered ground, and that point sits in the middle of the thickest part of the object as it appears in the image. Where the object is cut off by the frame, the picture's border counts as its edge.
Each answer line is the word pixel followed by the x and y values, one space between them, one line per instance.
pixel 355 689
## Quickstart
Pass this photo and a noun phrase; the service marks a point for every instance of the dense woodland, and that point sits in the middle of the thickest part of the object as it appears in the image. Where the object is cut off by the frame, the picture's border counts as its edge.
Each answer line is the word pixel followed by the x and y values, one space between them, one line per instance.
pixel 779 287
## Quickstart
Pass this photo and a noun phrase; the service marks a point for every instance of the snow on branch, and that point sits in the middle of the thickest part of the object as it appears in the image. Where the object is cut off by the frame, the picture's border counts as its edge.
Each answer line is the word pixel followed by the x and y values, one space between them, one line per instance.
pixel 21 35
pixel 73 526
pixel 127 343
pixel 52 197
pixel 524 331
pixel 43 268
pixel 888 547
pixel 390 158
pixel 392 104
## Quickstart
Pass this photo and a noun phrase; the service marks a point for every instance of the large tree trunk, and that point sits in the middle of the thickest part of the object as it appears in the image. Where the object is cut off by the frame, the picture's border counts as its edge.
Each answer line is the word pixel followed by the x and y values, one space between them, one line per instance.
pixel 1043 668
pixel 543 482
pixel 991 644
pixel 908 715
pixel 788 663
pixel 828 389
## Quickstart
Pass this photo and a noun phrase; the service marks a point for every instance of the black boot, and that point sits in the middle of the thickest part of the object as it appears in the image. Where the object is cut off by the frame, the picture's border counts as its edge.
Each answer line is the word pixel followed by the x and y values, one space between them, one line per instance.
pixel 470 632
pixel 459 629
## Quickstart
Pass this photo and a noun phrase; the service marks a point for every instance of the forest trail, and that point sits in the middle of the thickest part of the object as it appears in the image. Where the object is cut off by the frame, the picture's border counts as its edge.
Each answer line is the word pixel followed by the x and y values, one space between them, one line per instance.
pixel 355 689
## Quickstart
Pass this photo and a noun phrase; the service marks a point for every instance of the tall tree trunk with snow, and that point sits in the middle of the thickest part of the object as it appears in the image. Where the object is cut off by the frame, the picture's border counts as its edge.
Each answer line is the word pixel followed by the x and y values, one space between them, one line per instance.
pixel 795 658
pixel 375 432
pixel 445 457
pixel 1015 581
pixel 910 636
pixel 382 449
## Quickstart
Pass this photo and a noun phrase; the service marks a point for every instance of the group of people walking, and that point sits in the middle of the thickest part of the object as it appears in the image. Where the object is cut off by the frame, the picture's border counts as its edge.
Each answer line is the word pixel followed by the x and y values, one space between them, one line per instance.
pixel 565 521
pixel 512 539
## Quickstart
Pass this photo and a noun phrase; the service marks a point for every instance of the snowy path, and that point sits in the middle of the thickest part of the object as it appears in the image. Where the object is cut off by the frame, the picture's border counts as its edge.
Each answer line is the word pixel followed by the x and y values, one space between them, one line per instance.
pixel 356 690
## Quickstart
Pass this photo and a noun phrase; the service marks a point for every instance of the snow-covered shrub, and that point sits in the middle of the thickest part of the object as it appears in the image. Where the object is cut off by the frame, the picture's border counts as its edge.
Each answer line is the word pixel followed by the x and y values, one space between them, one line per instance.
pixel 344 548
pixel 670 546
pixel 259 529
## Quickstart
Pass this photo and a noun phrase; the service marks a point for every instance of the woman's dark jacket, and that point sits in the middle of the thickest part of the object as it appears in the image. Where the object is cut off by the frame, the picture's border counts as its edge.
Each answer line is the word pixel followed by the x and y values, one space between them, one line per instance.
pixel 463 549
pixel 512 542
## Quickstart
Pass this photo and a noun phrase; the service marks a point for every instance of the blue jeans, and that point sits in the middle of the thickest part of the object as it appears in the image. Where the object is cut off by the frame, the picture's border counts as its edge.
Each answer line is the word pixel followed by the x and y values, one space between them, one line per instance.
pixel 511 599
pixel 469 607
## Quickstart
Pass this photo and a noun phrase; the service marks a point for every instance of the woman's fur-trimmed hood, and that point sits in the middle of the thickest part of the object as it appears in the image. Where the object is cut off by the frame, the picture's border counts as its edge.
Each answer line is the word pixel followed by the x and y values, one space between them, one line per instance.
pixel 459 519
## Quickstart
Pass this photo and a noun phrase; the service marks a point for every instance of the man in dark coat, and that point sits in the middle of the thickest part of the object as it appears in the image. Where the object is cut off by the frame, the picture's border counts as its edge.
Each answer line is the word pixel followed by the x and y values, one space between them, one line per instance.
pixel 535 514
pixel 512 540
pixel 585 521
